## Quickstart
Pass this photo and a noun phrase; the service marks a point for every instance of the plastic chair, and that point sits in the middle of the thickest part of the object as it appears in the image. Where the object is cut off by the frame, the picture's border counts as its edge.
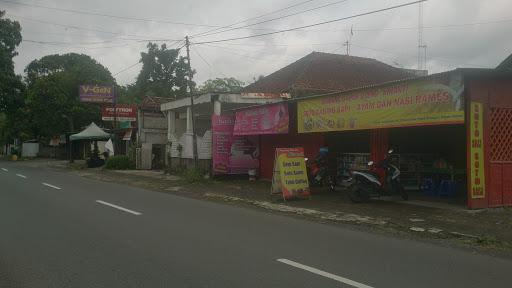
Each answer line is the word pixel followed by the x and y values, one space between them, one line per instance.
pixel 428 187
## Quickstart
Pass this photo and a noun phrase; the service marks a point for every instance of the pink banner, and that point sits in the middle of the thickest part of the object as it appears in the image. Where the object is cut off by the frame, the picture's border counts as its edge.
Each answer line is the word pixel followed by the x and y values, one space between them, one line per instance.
pixel 268 119
pixel 232 154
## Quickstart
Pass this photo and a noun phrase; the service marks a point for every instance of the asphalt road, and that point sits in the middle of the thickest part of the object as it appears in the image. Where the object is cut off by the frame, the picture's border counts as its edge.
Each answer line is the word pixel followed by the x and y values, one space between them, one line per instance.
pixel 76 232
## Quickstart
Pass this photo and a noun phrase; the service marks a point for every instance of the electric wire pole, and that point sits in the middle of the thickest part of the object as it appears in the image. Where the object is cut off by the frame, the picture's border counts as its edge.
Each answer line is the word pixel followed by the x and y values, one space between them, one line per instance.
pixel 422 48
pixel 189 84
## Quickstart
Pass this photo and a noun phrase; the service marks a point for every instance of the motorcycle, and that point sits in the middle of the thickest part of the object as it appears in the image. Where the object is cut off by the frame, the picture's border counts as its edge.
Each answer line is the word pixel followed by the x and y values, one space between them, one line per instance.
pixel 368 184
pixel 317 172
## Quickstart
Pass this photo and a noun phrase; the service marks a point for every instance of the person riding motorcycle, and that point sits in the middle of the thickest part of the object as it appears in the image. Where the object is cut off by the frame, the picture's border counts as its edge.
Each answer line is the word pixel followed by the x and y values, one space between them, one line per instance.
pixel 318 169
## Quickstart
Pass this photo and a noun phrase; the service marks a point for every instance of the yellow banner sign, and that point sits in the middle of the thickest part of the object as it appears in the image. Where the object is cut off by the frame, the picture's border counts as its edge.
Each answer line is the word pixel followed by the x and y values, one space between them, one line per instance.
pixel 476 128
pixel 290 175
pixel 411 103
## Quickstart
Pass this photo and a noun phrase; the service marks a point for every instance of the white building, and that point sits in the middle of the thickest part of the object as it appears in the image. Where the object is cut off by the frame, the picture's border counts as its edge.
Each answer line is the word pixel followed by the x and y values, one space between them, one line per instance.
pixel 179 122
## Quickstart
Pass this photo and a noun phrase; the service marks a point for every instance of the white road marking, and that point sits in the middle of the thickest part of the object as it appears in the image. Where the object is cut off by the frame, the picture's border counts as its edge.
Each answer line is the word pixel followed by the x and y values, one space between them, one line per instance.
pixel 119 207
pixel 5 170
pixel 22 176
pixel 324 274
pixel 51 186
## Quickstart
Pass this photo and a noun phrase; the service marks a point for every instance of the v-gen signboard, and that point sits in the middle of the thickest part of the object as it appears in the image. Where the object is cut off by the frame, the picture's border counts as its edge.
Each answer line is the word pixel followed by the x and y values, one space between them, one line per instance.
pixel 97 93
pixel 430 101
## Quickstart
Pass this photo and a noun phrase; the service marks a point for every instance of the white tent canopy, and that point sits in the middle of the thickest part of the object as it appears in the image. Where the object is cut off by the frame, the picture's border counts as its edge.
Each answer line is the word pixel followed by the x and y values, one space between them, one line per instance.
pixel 92 132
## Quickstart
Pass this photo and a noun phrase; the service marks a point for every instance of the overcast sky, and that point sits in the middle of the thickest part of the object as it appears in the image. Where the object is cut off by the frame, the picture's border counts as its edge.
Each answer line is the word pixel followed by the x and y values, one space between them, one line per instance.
pixel 458 33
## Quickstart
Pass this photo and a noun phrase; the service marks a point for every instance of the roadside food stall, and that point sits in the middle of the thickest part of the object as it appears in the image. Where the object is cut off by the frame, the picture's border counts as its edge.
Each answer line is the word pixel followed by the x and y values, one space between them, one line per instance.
pixel 449 130
pixel 452 132
pixel 93 134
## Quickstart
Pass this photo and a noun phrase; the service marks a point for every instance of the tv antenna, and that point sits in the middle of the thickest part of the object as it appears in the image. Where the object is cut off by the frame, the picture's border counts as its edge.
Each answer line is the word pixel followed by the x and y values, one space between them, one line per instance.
pixel 349 40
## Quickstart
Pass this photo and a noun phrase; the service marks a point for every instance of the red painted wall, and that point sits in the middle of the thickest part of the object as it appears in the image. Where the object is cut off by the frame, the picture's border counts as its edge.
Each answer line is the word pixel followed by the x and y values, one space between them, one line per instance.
pixel 492 93
pixel 268 144
pixel 311 142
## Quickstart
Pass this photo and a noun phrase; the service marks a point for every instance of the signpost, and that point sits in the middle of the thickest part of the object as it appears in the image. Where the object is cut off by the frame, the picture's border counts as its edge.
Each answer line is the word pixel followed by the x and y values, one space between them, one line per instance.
pixel 97 93
pixel 290 177
pixel 232 154
pixel 268 119
pixel 431 101
pixel 122 112
pixel 101 94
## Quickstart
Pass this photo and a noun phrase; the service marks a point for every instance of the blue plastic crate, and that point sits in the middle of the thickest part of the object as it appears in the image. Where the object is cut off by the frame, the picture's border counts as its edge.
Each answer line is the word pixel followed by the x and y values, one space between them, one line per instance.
pixel 447 188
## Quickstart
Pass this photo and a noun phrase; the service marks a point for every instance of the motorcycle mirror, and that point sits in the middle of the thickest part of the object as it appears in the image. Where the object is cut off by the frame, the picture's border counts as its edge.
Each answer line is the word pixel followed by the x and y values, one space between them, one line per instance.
pixel 370 163
pixel 390 151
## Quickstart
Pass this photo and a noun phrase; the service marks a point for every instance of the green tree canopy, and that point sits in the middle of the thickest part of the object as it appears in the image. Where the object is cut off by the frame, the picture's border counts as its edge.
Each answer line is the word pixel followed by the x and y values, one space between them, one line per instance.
pixel 10 84
pixel 222 85
pixel 52 92
pixel 164 73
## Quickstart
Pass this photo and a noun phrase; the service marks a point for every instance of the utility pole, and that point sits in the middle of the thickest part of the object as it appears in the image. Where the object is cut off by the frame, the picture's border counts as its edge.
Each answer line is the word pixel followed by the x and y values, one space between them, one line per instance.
pixel 422 48
pixel 189 82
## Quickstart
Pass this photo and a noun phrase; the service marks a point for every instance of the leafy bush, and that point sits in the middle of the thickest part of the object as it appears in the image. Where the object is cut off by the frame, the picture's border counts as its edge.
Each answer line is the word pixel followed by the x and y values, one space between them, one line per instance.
pixel 120 162
pixel 193 175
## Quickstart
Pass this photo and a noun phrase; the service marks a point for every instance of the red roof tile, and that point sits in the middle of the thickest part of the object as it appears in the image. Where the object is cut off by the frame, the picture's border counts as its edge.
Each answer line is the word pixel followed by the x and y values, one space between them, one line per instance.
pixel 328 72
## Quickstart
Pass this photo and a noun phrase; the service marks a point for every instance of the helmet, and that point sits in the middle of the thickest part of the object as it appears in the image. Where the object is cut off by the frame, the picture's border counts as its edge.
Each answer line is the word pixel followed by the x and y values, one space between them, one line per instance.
pixel 324 150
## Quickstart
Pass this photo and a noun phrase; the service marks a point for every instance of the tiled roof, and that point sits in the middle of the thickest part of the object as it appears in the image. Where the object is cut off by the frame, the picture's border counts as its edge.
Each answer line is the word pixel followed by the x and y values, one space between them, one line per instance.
pixel 506 65
pixel 327 72
pixel 152 102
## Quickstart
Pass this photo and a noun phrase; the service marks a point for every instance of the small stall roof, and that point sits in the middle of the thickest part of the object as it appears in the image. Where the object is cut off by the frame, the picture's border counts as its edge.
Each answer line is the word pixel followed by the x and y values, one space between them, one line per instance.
pixel 92 132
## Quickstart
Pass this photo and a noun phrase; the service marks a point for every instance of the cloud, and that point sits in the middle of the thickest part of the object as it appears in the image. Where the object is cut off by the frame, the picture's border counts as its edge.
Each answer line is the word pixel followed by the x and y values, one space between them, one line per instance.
pixel 375 36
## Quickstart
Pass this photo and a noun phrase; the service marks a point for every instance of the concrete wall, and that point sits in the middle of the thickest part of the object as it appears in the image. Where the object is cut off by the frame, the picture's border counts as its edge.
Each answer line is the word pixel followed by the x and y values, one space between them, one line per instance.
pixel 30 149
pixel 152 128
pixel 204 146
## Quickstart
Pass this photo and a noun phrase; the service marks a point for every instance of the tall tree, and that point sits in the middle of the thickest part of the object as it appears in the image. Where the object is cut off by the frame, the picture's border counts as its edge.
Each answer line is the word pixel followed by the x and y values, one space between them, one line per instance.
pixel 52 92
pixel 11 86
pixel 164 73
pixel 222 85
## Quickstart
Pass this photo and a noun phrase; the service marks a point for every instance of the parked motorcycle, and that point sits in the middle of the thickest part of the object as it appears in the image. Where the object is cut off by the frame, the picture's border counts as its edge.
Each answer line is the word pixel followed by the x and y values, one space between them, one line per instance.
pixel 317 171
pixel 368 184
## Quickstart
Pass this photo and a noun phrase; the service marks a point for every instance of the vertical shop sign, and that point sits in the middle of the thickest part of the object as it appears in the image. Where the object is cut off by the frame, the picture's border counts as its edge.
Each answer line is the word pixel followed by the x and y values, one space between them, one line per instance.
pixel 290 177
pixel 477 175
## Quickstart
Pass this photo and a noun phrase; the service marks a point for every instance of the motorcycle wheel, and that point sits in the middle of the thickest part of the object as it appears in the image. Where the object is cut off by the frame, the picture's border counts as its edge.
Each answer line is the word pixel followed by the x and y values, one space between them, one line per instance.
pixel 358 194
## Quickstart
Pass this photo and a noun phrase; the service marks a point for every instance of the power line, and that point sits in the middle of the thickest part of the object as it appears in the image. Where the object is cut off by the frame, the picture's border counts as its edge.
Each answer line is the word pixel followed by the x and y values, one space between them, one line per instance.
pixel 57 43
pixel 277 18
pixel 230 51
pixel 443 59
pixel 207 63
pixel 126 69
pixel 81 28
pixel 316 24
pixel 253 18
pixel 105 15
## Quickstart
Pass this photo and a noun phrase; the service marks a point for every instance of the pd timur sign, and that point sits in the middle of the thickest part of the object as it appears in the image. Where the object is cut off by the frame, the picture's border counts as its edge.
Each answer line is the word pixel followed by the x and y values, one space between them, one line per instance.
pixel 124 113
pixel 290 177
pixel 97 93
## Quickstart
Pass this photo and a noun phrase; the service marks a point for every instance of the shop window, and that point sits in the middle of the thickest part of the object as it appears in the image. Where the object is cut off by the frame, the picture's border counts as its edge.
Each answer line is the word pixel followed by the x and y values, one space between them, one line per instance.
pixel 501 134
